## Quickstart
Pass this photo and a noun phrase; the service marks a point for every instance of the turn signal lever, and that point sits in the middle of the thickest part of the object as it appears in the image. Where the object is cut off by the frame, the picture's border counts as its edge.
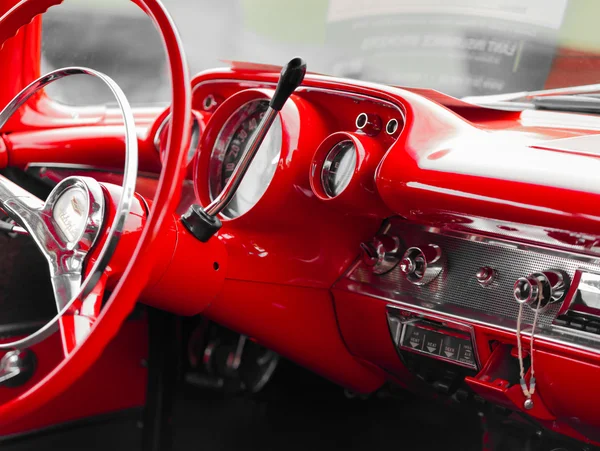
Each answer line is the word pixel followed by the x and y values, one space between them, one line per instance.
pixel 204 223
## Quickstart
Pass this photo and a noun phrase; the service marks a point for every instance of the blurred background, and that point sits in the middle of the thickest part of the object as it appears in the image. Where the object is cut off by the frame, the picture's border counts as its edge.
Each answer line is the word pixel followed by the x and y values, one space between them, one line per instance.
pixel 117 38
pixel 461 47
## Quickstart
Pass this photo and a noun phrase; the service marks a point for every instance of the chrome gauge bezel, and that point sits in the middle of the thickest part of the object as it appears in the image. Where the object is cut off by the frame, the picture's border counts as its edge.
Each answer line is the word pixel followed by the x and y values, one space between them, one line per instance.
pixel 327 168
pixel 220 149
pixel 194 138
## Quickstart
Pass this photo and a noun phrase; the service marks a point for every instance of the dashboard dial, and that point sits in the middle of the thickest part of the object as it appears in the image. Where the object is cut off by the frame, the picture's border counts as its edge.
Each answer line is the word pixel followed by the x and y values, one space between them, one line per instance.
pixel 338 168
pixel 229 147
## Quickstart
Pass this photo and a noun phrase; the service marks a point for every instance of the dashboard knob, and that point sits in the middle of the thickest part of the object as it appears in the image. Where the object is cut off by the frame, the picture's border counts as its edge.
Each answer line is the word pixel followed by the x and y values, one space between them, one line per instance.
pixel 422 265
pixel 540 289
pixel 381 254
pixel 485 276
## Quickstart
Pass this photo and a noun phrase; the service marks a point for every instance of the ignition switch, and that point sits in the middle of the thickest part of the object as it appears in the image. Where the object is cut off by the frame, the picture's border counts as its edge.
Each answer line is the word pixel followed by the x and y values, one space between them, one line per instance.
pixel 541 289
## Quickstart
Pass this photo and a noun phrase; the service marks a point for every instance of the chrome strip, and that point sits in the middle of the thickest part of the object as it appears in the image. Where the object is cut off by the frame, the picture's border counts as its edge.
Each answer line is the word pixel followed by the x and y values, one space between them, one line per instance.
pixel 501 241
pixel 123 207
pixel 73 166
pixel 307 88
pixel 81 167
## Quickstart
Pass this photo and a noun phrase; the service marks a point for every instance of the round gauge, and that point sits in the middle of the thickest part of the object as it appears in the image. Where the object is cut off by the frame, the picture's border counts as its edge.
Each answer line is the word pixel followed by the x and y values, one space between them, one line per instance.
pixel 229 147
pixel 338 168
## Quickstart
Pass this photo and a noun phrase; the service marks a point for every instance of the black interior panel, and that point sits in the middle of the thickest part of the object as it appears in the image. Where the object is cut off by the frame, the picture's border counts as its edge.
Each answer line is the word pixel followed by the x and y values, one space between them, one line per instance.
pixel 25 289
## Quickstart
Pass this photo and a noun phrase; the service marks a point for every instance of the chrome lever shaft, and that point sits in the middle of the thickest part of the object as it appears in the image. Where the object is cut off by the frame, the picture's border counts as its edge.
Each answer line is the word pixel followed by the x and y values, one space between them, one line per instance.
pixel 221 201
pixel 204 223
pixel 292 75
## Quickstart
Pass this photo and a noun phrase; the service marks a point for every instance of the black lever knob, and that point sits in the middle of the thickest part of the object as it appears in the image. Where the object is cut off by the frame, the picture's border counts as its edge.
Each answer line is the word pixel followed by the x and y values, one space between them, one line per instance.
pixel 204 223
pixel 291 77
pixel 200 224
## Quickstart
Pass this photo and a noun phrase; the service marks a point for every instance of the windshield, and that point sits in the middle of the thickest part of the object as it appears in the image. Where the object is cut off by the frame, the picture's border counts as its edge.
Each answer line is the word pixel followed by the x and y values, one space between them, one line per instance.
pixel 460 47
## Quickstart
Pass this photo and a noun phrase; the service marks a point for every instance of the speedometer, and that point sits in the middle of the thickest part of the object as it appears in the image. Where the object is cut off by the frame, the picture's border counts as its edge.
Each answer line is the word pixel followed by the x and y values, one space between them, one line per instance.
pixel 229 147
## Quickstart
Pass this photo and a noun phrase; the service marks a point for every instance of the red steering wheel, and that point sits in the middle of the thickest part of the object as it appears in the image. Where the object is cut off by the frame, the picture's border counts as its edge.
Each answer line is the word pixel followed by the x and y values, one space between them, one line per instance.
pixel 137 272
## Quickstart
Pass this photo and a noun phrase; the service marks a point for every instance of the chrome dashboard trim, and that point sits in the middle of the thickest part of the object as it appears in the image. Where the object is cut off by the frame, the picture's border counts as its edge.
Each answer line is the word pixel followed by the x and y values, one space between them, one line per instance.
pixel 587 340
pixel 42 165
pixel 304 88
pixel 73 166
pixel 568 251
pixel 491 306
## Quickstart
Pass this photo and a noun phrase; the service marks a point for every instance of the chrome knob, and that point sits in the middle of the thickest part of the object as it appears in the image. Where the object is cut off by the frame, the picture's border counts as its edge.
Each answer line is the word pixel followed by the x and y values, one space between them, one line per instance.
pixel 381 254
pixel 527 290
pixel 410 266
pixel 540 289
pixel 485 276
pixel 422 265
pixel 17 367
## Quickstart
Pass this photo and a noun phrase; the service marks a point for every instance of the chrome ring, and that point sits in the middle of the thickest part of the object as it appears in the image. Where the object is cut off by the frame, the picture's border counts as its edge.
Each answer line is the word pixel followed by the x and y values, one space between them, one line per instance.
pixel 392 126
pixel 328 167
pixel 194 140
pixel 361 121
pixel 125 202
pixel 159 130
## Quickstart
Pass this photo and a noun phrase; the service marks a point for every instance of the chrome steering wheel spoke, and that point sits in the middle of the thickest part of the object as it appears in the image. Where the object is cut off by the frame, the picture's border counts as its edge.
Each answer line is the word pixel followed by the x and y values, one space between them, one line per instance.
pixel 73 215
pixel 69 223
pixel 65 228
pixel 66 286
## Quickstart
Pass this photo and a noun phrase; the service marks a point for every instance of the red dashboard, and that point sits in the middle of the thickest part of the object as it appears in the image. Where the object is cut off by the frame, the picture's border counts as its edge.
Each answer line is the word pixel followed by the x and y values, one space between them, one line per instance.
pixel 365 181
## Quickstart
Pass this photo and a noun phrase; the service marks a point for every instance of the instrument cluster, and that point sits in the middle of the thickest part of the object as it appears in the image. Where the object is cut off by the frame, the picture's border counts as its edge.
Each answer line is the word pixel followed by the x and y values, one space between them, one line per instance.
pixel 326 143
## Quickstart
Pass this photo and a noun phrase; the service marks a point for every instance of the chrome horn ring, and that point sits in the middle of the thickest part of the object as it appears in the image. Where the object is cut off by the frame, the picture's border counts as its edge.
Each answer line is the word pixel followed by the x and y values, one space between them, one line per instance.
pixel 65 253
